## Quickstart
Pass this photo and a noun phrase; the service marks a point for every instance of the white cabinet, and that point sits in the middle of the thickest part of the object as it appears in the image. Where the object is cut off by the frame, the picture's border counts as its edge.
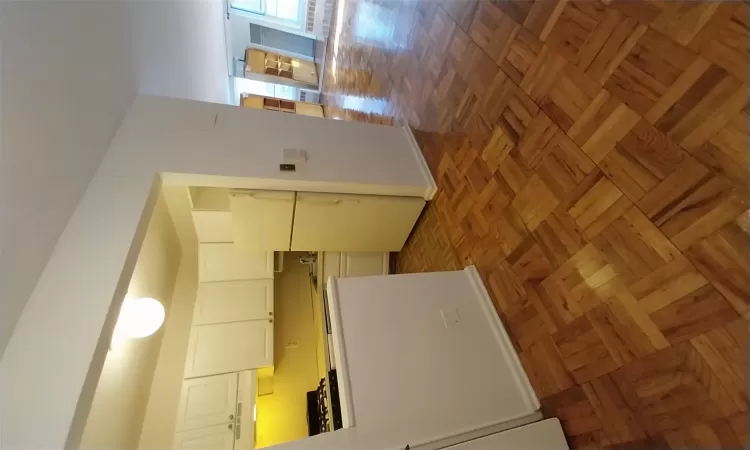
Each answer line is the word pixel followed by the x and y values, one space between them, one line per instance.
pixel 228 261
pixel 216 413
pixel 211 215
pixel 353 222
pixel 232 301
pixel 360 264
pixel 219 437
pixel 229 347
pixel 213 226
pixel 262 220
pixel 354 264
pixel 207 401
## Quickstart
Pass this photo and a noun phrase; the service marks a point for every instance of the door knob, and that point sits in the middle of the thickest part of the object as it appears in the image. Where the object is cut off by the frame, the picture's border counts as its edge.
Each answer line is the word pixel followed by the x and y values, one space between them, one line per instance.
pixel 231 417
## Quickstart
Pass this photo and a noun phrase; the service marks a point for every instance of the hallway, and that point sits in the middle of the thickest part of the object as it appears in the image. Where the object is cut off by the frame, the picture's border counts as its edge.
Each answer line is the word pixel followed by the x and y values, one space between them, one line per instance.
pixel 590 159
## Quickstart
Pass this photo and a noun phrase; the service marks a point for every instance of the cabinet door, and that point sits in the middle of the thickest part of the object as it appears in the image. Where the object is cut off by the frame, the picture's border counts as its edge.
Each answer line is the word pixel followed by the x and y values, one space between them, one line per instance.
pixel 262 220
pixel 361 264
pixel 229 347
pixel 343 222
pixel 219 437
pixel 207 401
pixel 227 261
pixel 233 301
pixel 213 226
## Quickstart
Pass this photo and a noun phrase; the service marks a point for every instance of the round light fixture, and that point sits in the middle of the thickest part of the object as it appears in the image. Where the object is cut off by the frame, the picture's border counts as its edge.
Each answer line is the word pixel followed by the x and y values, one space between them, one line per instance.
pixel 139 317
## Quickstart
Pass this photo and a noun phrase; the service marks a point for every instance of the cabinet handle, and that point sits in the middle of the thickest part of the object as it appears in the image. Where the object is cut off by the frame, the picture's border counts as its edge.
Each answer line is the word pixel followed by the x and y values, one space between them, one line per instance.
pixel 270 320
pixel 260 196
pixel 270 313
pixel 231 417
pixel 324 201
pixel 229 426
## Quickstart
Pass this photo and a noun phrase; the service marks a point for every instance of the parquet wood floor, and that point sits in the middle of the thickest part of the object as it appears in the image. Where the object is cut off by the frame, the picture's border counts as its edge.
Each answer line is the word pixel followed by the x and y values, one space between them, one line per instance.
pixel 591 162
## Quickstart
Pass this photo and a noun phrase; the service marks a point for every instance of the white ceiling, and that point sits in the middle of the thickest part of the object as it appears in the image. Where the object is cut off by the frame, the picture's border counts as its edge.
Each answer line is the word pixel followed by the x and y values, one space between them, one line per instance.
pixel 69 71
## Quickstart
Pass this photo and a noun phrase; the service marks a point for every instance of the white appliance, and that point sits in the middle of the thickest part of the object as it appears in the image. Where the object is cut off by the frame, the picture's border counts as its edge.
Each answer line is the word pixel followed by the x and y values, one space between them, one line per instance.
pixel 427 350
pixel 423 361
pixel 543 435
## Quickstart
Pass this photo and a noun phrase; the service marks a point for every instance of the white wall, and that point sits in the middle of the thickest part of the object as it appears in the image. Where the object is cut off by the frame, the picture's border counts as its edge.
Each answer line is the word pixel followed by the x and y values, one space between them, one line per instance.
pixel 161 410
pixel 47 361
pixel 66 85
pixel 69 72
pixel 117 411
pixel 181 49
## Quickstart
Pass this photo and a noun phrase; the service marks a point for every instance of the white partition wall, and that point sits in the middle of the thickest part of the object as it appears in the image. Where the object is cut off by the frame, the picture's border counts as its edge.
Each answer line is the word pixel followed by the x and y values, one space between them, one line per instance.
pixel 58 347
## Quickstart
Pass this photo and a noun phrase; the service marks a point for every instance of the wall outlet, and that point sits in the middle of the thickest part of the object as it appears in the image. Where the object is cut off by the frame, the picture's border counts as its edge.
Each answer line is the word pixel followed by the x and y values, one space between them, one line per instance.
pixel 451 318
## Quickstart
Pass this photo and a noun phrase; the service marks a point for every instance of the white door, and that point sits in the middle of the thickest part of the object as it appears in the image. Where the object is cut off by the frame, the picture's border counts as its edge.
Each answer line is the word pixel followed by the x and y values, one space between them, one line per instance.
pixel 233 301
pixel 361 264
pixel 344 222
pixel 207 401
pixel 219 437
pixel 213 226
pixel 228 261
pixel 229 347
pixel 262 220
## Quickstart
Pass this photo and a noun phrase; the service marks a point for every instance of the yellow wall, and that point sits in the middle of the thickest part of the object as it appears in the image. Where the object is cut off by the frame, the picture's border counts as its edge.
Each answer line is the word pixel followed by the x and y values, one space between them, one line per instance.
pixel 116 414
pixel 282 416
pixel 161 411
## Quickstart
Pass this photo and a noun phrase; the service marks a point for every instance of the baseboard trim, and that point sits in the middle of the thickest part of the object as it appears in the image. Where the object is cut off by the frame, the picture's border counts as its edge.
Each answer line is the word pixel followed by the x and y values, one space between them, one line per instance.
pixel 431 190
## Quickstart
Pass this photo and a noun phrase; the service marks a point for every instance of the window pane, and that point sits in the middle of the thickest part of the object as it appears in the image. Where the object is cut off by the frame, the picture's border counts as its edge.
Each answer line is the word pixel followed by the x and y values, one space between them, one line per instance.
pixel 283 9
pixel 243 85
pixel 285 92
pixel 253 6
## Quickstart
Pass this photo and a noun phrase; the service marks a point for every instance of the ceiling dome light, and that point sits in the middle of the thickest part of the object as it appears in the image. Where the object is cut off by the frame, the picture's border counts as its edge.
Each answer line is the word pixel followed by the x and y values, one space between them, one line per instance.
pixel 139 317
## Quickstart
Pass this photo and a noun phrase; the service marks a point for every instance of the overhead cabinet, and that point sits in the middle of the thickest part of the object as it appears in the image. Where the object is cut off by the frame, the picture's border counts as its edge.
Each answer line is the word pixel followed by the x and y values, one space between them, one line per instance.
pixel 358 223
pixel 232 301
pixel 207 401
pixel 229 261
pixel 211 214
pixel 262 220
pixel 313 221
pixel 216 413
pixel 229 347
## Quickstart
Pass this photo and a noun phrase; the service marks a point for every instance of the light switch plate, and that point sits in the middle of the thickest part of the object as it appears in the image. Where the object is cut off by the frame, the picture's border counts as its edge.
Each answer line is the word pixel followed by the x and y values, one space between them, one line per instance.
pixel 294 156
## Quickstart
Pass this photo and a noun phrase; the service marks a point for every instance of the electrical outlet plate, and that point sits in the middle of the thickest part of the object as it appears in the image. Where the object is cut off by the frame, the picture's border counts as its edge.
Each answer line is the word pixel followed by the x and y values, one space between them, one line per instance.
pixel 451 318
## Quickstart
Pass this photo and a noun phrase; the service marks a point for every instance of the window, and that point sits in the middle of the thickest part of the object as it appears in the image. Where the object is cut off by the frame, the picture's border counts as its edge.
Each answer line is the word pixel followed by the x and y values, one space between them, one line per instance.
pixel 280 9
pixel 262 88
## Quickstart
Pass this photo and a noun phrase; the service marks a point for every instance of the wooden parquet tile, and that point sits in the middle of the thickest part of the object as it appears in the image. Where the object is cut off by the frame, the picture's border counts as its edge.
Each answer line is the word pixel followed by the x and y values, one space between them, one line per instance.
pixel 591 161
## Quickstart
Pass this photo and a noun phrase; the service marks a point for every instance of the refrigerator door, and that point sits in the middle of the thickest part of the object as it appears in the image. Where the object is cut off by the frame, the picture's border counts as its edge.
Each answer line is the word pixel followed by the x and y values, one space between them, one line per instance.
pixel 544 435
